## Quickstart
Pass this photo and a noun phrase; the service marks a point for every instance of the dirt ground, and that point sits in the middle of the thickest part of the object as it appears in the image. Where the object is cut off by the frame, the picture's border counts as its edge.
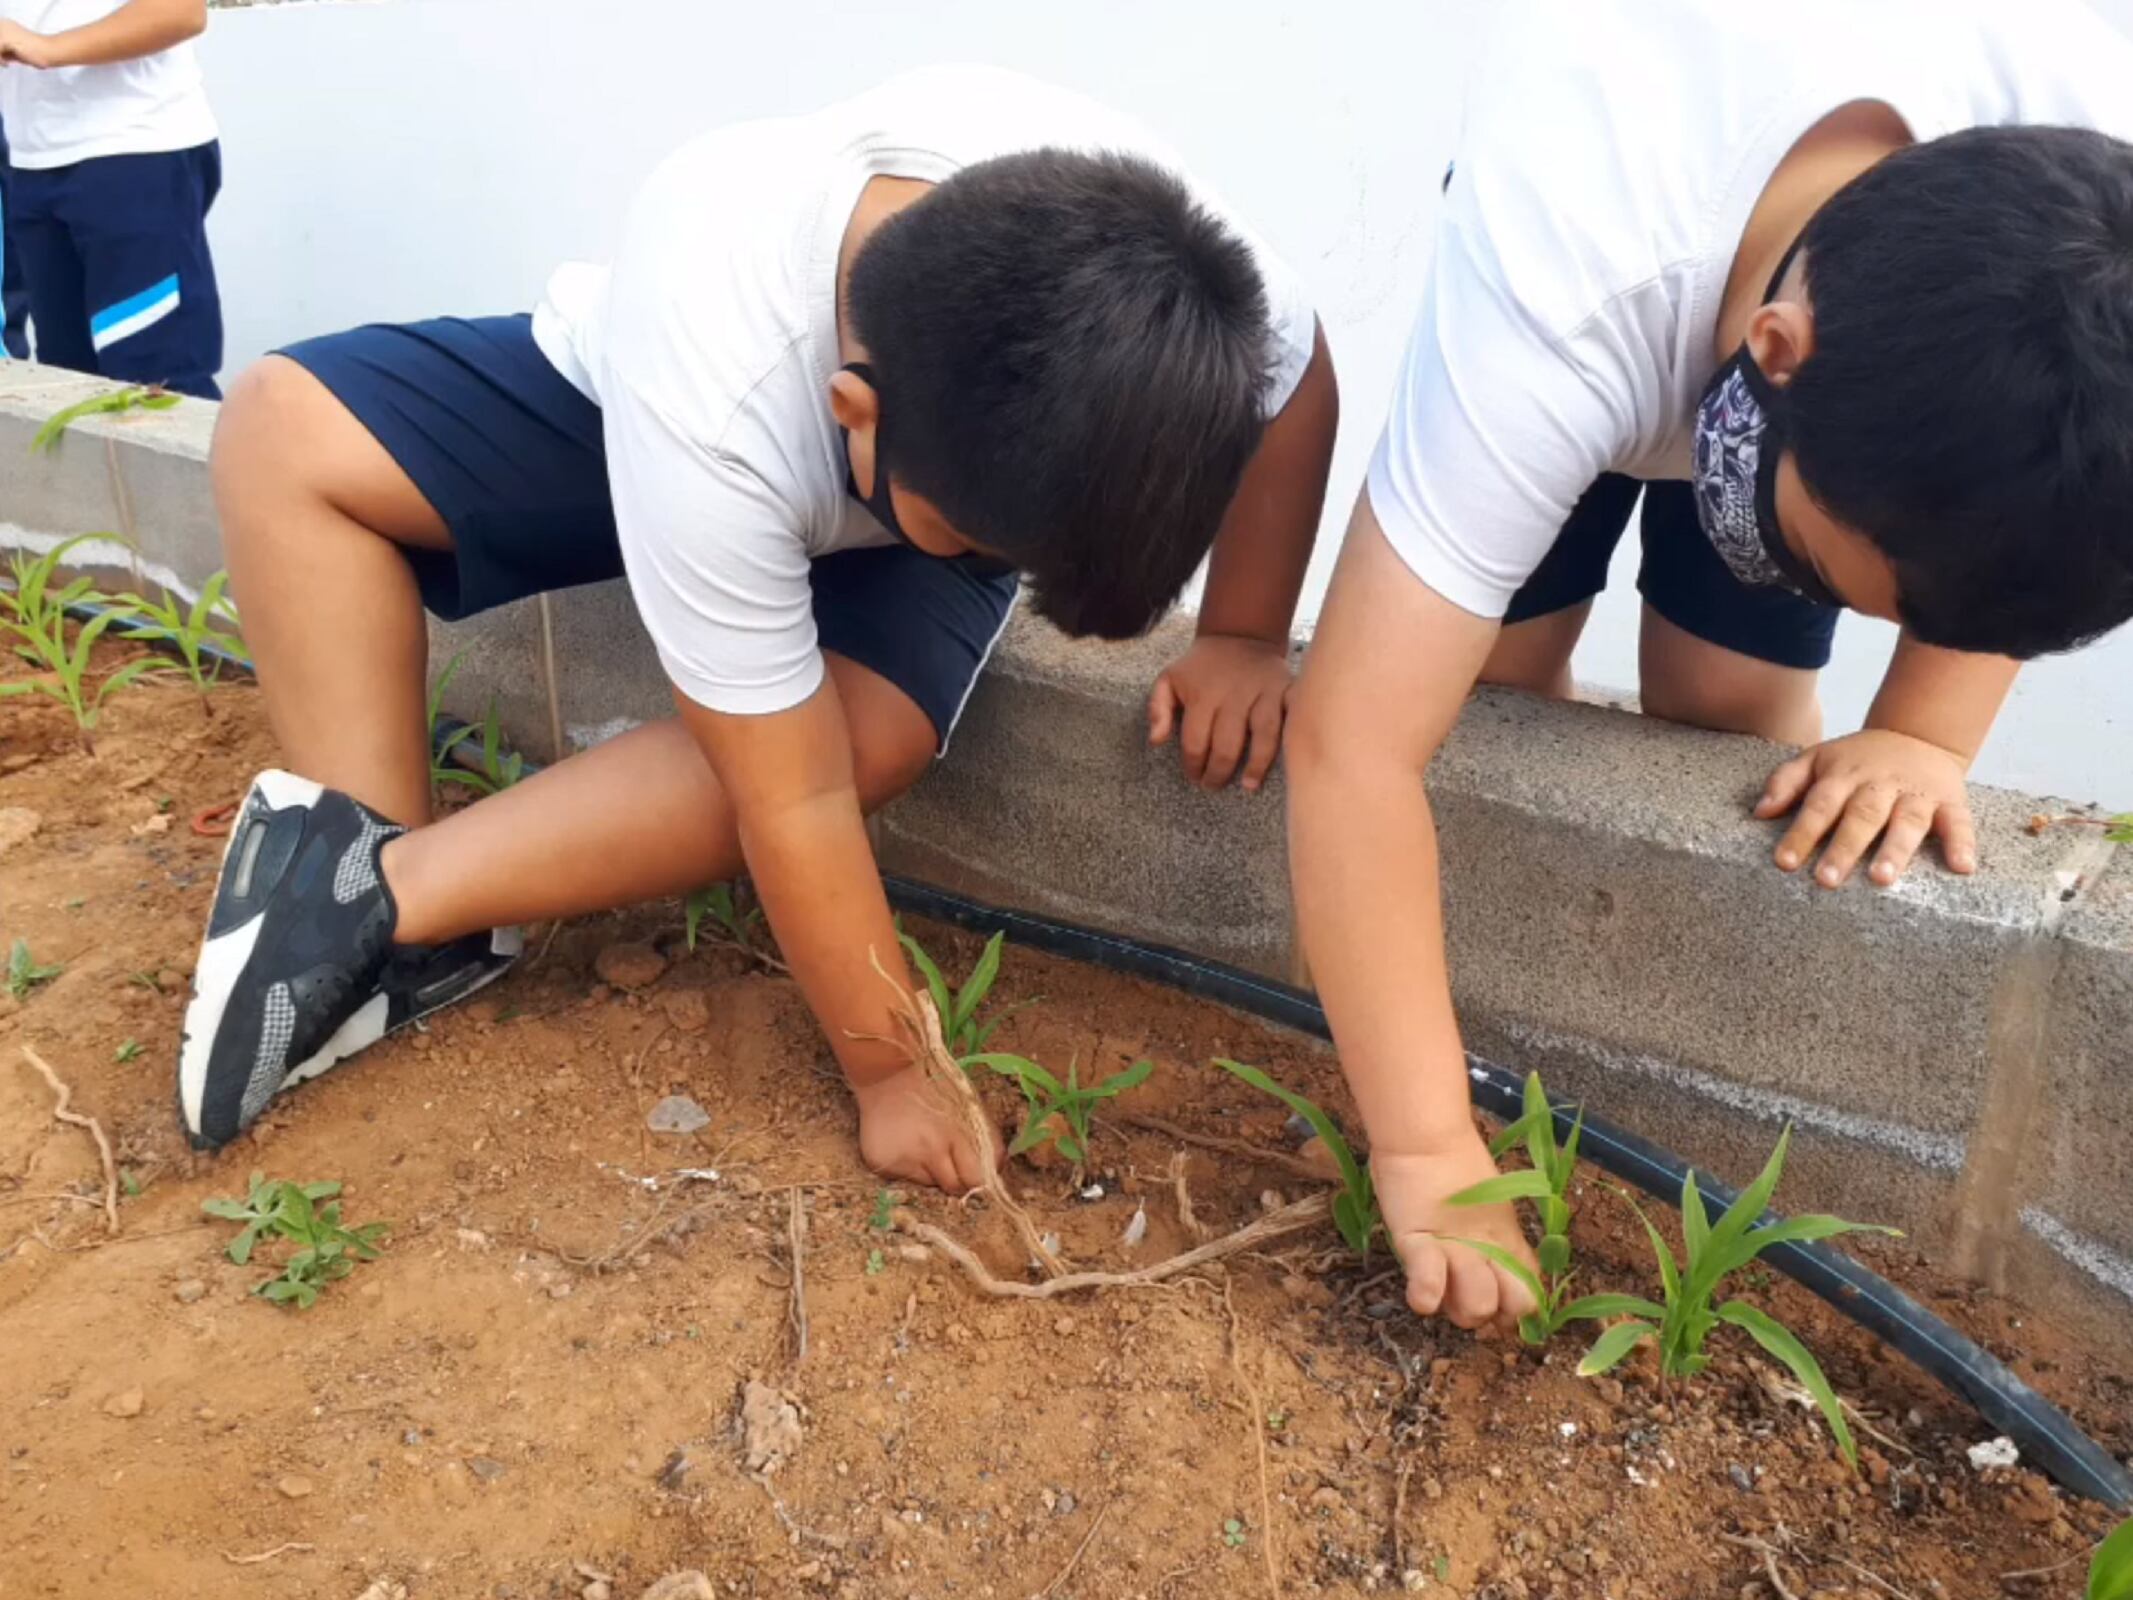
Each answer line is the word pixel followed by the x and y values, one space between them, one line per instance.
pixel 537 1390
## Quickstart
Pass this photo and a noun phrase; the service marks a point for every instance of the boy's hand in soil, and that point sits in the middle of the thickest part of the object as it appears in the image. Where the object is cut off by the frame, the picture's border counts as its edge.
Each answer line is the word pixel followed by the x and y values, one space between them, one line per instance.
pixel 1444 1278
pixel 909 1130
pixel 1223 700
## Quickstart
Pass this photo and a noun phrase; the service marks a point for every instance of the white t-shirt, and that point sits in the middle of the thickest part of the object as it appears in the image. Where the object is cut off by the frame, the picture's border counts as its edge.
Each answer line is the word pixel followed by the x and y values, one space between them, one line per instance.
pixel 57 117
pixel 1613 152
pixel 710 340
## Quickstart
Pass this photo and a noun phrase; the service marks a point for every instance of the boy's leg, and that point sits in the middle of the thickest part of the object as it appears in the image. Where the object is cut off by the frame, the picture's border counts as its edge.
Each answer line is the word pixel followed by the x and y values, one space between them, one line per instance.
pixel 140 222
pixel 14 294
pixel 42 246
pixel 1548 614
pixel 1718 653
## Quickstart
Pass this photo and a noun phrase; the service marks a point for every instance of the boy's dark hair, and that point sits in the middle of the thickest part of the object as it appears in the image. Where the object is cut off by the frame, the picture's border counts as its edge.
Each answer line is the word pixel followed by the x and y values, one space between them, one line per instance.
pixel 1968 404
pixel 1072 358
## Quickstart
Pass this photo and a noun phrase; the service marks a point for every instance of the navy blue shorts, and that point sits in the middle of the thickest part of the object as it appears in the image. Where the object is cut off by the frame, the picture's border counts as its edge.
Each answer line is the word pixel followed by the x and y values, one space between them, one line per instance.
pixel 1681 578
pixel 509 453
pixel 113 255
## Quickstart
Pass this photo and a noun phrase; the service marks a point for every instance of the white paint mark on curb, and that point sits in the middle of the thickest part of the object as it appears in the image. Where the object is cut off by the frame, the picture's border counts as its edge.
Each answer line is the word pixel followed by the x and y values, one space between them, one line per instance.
pixel 2092 1256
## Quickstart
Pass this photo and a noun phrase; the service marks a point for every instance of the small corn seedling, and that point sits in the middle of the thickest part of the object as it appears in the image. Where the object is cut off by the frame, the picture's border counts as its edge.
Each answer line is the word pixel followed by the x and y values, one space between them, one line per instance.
pixel 2121 829
pixel 150 397
pixel 1547 1184
pixel 725 907
pixel 23 972
pixel 325 1250
pixel 204 634
pixel 965 1036
pixel 33 611
pixel 1714 1250
pixel 1355 1208
pixel 31 607
pixel 499 769
pixel 2111 1569
pixel 1058 1112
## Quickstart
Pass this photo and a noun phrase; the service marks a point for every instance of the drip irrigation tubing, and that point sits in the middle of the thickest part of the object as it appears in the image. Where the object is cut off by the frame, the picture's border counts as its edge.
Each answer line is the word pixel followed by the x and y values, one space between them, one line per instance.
pixel 2047 1438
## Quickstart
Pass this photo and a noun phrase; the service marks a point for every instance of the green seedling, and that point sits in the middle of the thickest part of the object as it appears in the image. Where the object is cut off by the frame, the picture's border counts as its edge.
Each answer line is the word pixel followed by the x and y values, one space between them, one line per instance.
pixel 965 1036
pixel 30 605
pixel 1233 1534
pixel 1355 1208
pixel 2111 1569
pixel 151 397
pixel 2121 829
pixel 127 1051
pixel 1547 1184
pixel 1714 1250
pixel 23 972
pixel 325 1250
pixel 726 907
pixel 130 1183
pixel 1070 1103
pixel 204 634
pixel 884 1205
pixel 876 1262
pixel 499 769
pixel 34 613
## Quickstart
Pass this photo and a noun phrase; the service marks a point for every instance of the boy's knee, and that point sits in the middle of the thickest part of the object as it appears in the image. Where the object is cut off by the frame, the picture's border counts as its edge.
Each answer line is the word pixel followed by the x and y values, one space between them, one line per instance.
pixel 888 762
pixel 1778 707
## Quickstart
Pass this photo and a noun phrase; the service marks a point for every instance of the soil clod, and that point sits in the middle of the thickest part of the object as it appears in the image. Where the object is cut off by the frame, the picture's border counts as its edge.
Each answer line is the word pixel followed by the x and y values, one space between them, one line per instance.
pixel 629 966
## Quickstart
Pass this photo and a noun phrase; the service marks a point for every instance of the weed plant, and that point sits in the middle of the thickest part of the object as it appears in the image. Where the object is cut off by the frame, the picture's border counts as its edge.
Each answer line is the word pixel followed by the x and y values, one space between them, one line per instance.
pixel 965 1036
pixel 325 1251
pixel 726 908
pixel 23 972
pixel 499 769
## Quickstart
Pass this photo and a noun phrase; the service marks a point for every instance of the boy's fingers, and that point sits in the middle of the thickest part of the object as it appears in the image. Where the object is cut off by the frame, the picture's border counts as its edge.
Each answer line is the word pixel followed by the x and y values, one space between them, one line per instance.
pixel 1786 785
pixel 1266 721
pixel 1225 747
pixel 1907 831
pixel 1470 1296
pixel 1818 814
pixel 1857 830
pixel 1958 836
pixel 1194 737
pixel 1162 710
pixel 1426 1273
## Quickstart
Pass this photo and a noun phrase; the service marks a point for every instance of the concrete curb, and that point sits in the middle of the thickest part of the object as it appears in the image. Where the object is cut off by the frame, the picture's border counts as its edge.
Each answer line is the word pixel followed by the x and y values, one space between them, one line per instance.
pixel 1957 1054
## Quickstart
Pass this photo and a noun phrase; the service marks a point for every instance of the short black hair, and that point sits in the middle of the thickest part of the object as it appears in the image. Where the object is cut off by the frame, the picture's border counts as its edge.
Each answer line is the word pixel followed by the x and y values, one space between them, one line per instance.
pixel 1968 402
pixel 1072 358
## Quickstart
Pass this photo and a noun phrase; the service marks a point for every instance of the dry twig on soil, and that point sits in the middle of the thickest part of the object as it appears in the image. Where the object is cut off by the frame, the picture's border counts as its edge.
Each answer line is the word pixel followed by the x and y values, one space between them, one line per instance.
pixel 1232 1147
pixel 1074 1560
pixel 1187 1217
pixel 268 1555
pixel 796 1237
pixel 1770 1565
pixel 1256 1412
pixel 64 1097
pixel 1306 1213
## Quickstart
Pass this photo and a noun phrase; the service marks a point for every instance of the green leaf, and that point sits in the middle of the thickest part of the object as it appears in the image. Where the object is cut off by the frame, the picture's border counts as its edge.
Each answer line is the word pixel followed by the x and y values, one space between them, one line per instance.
pixel 982 1036
pixel 1119 1082
pixel 1781 1342
pixel 1351 1170
pixel 1567 1164
pixel 1512 1134
pixel 1804 1229
pixel 1356 1217
pixel 1554 1255
pixel 1597 1307
pixel 1022 1070
pixel 1540 1136
pixel 1608 1350
pixel 2111 1570
pixel 1504 1259
pixel 1740 1216
pixel 1695 1221
pixel 979 984
pixel 1527 1184
pixel 1533 1329
pixel 1035 1129
pixel 1669 1274
pixel 936 985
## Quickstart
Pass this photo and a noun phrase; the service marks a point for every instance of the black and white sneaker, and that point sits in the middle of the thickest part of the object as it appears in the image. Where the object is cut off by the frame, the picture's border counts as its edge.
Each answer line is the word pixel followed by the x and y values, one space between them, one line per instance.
pixel 298 971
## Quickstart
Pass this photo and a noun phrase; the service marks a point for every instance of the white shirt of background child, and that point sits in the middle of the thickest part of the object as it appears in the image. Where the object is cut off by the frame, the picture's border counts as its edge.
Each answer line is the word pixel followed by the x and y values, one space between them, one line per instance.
pixel 61 115
pixel 1613 152
pixel 710 339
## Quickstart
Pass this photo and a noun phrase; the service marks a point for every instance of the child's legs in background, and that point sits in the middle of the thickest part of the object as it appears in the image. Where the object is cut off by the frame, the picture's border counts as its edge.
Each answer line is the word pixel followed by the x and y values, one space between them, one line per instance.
pixel 140 225
pixel 14 293
pixel 42 246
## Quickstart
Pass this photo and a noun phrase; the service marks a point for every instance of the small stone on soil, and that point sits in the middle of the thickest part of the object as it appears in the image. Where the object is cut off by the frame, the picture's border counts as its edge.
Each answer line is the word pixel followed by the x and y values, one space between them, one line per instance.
pixel 629 966
pixel 770 1428
pixel 687 1010
pixel 1741 1480
pixel 189 1291
pixel 126 1403
pixel 486 1468
pixel 677 1113
pixel 681 1586
pixel 293 1487
pixel 17 826
pixel 596 1591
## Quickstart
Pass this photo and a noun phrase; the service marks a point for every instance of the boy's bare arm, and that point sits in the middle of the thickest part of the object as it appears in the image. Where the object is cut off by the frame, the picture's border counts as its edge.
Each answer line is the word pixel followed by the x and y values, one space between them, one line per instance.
pixel 789 778
pixel 1389 668
pixel 1225 698
pixel 139 28
pixel 1901 778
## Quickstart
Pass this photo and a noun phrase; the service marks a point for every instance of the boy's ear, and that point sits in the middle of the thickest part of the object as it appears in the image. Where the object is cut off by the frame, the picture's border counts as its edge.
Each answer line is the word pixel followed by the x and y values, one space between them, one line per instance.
pixel 853 402
pixel 1781 336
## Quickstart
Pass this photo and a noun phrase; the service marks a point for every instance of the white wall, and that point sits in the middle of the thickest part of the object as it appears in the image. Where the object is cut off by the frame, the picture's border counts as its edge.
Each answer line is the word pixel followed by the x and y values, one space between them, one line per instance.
pixel 416 157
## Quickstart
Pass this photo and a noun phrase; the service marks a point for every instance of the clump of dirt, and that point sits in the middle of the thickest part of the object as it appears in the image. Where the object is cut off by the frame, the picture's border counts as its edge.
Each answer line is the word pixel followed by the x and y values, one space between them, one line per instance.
pixel 577 1368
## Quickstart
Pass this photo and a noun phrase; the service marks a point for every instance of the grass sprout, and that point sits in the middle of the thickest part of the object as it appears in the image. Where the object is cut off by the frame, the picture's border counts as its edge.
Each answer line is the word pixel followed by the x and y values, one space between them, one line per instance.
pixel 24 973
pixel 307 1216
pixel 1070 1103
pixel 1355 1208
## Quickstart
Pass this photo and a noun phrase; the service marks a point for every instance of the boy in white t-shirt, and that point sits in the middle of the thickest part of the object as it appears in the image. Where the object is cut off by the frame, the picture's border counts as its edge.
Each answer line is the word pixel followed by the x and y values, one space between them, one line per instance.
pixel 114 166
pixel 845 377
pixel 1849 290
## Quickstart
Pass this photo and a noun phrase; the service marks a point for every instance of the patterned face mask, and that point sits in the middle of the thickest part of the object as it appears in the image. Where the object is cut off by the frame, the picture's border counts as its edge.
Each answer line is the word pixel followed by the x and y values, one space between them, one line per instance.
pixel 1740 438
pixel 883 505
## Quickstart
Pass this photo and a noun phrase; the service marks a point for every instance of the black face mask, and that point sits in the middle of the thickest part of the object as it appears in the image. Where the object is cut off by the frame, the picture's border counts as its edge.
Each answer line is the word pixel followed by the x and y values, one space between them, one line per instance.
pixel 880 504
pixel 1740 438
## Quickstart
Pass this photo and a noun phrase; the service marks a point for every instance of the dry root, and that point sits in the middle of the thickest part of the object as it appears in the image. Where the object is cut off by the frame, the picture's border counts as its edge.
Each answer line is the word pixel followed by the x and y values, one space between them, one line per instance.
pixel 64 1097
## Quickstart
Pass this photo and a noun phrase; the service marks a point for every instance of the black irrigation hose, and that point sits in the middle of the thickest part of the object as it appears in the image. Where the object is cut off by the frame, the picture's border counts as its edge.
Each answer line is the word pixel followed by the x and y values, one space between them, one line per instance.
pixel 2046 1436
